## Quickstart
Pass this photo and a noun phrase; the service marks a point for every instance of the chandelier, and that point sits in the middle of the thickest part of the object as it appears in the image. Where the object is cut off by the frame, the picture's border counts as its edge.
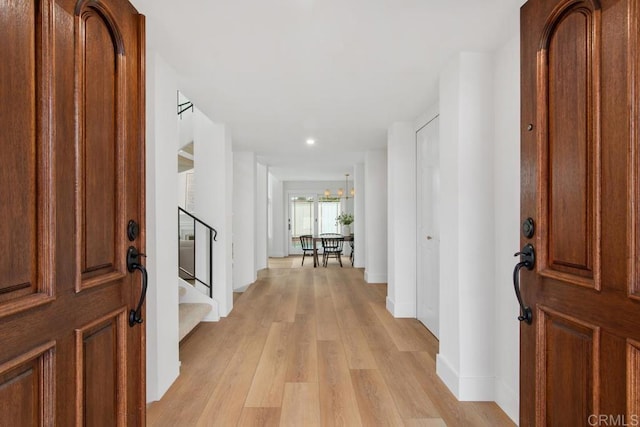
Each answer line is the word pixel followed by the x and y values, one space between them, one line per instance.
pixel 342 192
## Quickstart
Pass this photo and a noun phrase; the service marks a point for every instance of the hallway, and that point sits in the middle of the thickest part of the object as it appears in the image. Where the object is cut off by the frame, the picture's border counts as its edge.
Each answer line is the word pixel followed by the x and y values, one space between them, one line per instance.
pixel 306 347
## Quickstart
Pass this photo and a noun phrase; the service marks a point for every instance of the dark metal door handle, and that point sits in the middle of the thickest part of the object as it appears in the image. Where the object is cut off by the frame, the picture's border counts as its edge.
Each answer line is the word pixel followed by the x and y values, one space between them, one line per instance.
pixel 527 260
pixel 135 316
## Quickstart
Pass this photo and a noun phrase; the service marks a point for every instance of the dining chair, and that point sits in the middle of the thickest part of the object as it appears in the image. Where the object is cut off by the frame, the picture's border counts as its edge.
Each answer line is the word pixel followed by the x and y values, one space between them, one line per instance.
pixel 353 248
pixel 332 248
pixel 306 242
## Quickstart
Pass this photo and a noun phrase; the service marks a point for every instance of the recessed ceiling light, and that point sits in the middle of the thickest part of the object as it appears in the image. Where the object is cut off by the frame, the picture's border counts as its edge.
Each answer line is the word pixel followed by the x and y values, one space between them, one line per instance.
pixel 311 141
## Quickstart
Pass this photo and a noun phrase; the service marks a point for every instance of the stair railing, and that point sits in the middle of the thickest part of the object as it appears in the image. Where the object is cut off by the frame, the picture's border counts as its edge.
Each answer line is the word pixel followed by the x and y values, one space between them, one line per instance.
pixel 183 268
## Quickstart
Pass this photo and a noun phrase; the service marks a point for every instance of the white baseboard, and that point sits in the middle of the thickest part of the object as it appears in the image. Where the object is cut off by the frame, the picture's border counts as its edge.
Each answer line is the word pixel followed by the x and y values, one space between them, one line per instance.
pixel 242 288
pixel 476 389
pixel 374 278
pixel 507 400
pixel 448 375
pixel 404 310
pixel 390 305
pixel 164 381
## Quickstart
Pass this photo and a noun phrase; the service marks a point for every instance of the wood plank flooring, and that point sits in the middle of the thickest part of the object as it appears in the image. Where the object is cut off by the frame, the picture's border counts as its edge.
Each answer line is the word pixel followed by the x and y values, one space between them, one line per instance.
pixel 313 347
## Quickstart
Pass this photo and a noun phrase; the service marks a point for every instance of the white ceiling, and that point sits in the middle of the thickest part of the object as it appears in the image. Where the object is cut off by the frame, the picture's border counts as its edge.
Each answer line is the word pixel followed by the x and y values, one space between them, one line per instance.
pixel 340 71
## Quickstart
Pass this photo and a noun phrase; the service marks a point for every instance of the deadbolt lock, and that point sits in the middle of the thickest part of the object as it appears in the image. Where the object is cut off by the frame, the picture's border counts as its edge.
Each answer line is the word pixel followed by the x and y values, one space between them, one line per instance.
pixel 528 228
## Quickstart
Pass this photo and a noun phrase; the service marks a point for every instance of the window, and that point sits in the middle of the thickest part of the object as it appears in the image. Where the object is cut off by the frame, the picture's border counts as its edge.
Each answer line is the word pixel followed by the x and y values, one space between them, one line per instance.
pixel 328 210
pixel 301 217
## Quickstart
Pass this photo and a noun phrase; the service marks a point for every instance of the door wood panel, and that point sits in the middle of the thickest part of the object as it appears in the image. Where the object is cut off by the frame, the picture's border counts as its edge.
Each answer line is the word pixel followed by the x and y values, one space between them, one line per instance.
pixel 72 178
pixel 570 144
pixel 101 370
pixel 19 159
pixel 100 144
pixel 633 377
pixel 570 391
pixel 25 166
pixel 27 388
pixel 579 169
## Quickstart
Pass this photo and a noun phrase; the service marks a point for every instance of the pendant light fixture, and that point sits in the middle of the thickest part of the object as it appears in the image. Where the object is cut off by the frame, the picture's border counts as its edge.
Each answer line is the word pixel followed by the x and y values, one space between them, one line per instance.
pixel 342 192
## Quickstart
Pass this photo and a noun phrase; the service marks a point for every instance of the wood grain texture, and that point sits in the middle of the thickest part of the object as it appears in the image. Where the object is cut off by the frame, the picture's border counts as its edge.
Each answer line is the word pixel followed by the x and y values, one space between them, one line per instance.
pixel 401 331
pixel 357 350
pixel 260 417
pixel 453 412
pixel 286 309
pixel 425 422
pixel 27 395
pixel 19 28
pixel 633 378
pixel 27 164
pixel 300 405
pixel 579 182
pixel 97 152
pixel 337 398
pixel 306 294
pixel 229 395
pixel 410 398
pixel 268 382
pixel 204 355
pixel 573 144
pixel 570 387
pixel 252 368
pixel 374 399
pixel 327 323
pixel 40 216
pixel 302 363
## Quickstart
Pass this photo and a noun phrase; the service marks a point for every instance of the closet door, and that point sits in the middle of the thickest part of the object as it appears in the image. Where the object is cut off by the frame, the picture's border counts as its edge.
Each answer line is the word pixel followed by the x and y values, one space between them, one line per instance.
pixel 428 183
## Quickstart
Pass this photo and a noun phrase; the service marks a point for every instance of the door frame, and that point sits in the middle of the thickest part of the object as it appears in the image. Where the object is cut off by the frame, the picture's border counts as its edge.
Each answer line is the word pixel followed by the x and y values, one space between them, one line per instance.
pixel 287 219
pixel 317 192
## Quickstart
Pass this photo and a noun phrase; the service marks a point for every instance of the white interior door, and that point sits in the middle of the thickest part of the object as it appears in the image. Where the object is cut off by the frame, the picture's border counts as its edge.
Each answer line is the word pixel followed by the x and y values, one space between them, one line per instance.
pixel 428 180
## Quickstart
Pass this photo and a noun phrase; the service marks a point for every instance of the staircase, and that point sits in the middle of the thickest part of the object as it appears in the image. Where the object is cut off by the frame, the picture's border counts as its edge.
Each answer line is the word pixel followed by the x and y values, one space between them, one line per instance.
pixel 195 285
pixel 194 308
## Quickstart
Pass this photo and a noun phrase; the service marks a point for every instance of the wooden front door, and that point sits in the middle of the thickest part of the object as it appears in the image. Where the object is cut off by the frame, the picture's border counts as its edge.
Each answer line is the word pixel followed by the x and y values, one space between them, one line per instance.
pixel 71 179
pixel 580 356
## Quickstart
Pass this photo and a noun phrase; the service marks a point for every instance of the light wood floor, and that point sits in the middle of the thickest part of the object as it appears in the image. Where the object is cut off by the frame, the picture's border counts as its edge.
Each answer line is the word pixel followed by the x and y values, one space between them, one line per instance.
pixel 311 347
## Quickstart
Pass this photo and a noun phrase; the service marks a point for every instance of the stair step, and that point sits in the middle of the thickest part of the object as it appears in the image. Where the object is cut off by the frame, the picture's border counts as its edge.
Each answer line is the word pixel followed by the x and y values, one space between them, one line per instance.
pixel 190 315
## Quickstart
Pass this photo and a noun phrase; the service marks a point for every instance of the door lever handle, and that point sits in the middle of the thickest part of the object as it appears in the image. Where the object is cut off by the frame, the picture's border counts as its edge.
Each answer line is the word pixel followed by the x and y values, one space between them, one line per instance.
pixel 135 316
pixel 527 260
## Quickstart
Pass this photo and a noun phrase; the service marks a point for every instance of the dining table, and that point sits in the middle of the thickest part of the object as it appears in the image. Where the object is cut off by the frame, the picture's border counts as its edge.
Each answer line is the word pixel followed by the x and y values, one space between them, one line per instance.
pixel 317 239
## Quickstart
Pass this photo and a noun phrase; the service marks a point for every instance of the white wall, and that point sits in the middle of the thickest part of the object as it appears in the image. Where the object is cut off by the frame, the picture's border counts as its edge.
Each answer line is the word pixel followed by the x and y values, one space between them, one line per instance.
pixel 449 348
pixel 244 219
pixel 261 217
pixel 161 321
pixel 506 84
pixel 277 239
pixel 401 152
pixel 313 187
pixel 480 160
pixel 359 215
pixel 375 205
pixel 213 169
pixel 465 362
